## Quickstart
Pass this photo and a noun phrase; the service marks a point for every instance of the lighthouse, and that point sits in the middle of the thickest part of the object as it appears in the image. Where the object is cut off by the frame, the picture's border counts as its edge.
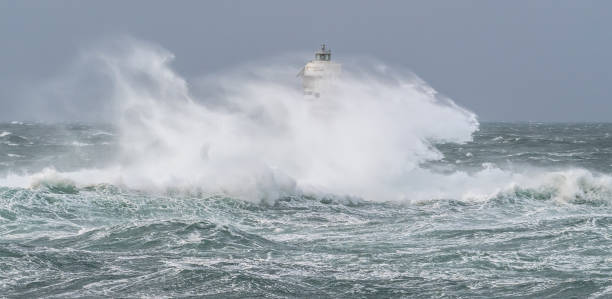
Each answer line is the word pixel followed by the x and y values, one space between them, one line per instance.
pixel 318 74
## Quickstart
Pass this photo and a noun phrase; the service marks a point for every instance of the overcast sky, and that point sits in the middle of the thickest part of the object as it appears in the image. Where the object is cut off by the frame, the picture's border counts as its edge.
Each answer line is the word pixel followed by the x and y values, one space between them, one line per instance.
pixel 504 60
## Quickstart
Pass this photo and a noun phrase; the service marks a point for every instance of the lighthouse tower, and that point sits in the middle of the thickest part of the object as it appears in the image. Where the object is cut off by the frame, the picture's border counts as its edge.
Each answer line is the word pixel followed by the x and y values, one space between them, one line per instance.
pixel 319 73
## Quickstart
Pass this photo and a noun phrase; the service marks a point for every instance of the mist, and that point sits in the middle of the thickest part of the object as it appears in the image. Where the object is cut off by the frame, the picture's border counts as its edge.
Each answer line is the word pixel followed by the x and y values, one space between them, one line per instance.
pixel 248 132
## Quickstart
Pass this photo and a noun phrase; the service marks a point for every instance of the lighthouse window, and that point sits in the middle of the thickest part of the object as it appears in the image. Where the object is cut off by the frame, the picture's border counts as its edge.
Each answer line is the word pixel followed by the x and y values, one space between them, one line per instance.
pixel 324 57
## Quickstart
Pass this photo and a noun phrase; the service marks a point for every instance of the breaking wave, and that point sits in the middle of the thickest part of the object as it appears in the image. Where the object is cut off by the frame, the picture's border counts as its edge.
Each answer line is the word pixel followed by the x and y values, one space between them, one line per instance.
pixel 249 133
pixel 235 185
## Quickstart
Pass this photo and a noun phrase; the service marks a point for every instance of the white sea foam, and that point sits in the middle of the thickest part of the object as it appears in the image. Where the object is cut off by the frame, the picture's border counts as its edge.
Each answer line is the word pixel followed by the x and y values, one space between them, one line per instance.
pixel 80 144
pixel 102 133
pixel 254 134
pixel 250 133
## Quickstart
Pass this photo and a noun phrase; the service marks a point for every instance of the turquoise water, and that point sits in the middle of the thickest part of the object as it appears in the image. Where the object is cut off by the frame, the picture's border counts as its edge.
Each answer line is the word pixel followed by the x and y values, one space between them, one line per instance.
pixel 544 233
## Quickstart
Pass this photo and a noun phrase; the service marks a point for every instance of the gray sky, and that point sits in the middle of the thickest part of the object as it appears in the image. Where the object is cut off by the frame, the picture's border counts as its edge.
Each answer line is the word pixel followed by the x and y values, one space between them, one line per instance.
pixel 504 60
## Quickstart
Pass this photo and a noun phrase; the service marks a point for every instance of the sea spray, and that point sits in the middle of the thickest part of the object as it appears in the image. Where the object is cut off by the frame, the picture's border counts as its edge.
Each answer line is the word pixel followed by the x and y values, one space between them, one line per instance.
pixel 249 133
pixel 255 136
pixel 527 213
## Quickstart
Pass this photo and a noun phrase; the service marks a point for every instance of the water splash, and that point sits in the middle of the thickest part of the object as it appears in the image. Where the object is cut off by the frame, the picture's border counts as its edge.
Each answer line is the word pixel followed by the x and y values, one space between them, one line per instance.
pixel 249 133
pixel 254 135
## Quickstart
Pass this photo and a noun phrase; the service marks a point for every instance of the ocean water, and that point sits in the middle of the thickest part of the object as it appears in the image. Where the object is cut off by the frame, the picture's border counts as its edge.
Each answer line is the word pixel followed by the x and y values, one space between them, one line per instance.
pixel 233 185
pixel 540 226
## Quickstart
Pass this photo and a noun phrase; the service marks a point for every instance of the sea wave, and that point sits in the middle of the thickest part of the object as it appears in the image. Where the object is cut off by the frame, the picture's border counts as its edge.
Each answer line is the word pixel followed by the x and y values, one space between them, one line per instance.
pixel 576 186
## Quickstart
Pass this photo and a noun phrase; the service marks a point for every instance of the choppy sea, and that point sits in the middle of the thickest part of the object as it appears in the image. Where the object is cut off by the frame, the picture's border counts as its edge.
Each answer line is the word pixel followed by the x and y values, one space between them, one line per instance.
pixel 544 230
